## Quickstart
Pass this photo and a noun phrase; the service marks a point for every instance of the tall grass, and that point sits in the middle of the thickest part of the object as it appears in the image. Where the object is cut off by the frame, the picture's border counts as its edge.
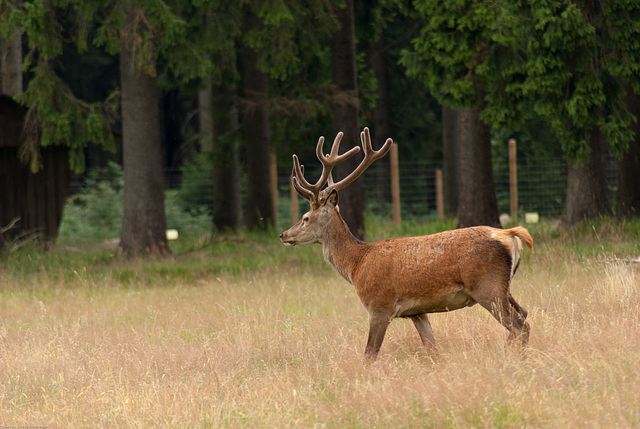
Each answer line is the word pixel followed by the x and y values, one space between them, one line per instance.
pixel 247 333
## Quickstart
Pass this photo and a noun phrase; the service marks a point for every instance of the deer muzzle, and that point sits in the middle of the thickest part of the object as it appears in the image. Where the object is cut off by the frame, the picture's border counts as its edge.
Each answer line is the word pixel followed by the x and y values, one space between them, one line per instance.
pixel 285 241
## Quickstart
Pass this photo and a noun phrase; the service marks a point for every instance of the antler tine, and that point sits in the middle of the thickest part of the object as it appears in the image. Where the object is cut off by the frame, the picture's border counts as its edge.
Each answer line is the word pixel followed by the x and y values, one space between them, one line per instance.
pixel 302 186
pixel 370 155
pixel 298 181
pixel 311 191
pixel 332 159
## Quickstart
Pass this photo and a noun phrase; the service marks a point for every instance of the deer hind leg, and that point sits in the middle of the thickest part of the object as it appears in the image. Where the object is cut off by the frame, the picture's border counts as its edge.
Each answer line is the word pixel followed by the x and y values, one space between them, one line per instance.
pixel 511 315
pixel 520 316
pixel 517 306
pixel 421 322
pixel 378 324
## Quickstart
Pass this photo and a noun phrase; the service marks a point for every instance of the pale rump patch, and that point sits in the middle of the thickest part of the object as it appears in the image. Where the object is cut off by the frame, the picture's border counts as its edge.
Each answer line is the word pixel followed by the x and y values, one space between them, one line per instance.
pixel 505 238
pixel 512 243
pixel 516 254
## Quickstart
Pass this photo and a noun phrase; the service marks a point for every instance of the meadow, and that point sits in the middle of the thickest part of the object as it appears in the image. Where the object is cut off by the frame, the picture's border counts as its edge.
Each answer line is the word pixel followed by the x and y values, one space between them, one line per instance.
pixel 243 332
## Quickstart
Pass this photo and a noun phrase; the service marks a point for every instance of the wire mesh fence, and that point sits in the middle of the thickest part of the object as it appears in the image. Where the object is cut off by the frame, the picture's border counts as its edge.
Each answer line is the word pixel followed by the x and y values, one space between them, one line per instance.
pixel 541 187
pixel 541 184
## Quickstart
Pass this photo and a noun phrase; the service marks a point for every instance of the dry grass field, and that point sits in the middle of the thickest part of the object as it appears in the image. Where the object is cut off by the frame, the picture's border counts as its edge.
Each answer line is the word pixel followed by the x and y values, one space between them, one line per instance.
pixel 248 333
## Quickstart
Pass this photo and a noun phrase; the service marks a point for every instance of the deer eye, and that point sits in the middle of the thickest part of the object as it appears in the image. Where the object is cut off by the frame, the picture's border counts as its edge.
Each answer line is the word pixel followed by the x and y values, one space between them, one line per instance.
pixel 305 219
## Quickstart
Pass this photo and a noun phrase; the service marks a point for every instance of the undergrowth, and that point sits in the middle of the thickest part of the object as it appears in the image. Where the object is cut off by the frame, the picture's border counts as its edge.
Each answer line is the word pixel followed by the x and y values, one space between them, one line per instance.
pixel 87 247
pixel 201 254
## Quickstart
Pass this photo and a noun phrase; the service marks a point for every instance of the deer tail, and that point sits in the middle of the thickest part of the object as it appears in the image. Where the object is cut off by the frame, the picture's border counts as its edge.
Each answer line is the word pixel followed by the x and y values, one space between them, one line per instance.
pixel 523 234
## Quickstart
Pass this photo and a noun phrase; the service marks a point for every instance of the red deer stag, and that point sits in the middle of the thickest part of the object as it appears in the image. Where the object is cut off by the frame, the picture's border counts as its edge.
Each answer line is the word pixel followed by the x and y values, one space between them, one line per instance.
pixel 409 276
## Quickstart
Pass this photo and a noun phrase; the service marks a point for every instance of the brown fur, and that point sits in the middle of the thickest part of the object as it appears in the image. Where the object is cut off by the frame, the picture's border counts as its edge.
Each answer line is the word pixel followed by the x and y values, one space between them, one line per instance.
pixel 413 276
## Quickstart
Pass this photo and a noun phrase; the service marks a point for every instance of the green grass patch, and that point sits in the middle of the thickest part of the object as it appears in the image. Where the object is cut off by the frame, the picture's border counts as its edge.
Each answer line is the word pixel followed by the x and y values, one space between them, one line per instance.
pixel 203 256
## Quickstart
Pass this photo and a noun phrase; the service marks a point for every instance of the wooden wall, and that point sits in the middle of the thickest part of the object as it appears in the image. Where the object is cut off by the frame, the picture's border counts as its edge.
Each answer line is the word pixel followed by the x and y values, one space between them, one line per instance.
pixel 37 199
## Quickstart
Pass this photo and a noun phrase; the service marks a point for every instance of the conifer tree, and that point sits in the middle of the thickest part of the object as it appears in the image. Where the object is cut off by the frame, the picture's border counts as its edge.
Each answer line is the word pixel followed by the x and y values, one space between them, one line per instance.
pixel 578 56
pixel 569 60
pixel 146 34
pixel 55 116
pixel 454 56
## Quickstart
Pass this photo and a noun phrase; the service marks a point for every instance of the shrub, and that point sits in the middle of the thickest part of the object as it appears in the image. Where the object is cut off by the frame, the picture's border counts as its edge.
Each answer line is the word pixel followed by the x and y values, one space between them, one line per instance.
pixel 94 214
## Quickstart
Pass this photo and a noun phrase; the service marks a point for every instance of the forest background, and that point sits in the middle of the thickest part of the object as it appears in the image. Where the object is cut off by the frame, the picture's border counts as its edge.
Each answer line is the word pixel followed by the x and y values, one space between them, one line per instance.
pixel 222 86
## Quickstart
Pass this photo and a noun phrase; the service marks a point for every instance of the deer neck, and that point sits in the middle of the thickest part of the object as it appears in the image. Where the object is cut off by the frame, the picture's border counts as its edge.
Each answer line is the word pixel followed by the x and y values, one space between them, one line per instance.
pixel 340 248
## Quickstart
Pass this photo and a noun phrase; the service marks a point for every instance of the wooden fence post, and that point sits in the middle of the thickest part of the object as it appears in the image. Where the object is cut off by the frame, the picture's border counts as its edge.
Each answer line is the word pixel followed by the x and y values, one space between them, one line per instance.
pixel 439 195
pixel 395 185
pixel 513 179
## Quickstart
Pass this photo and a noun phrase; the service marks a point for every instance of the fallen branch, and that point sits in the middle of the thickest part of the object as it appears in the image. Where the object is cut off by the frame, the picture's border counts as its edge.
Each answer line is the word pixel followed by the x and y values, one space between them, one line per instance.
pixel 20 240
pixel 11 225
pixel 3 244
pixel 23 240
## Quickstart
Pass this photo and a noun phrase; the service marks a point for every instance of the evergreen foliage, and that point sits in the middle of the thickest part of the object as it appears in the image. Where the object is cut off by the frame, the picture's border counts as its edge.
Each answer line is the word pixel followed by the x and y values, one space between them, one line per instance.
pixel 456 40
pixel 55 115
pixel 576 56
pixel 550 71
pixel 561 61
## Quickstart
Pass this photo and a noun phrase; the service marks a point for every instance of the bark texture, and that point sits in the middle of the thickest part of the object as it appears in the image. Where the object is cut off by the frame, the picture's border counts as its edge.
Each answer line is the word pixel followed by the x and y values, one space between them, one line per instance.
pixel 255 122
pixel 143 222
pixel 478 204
pixel 226 165
pixel 451 159
pixel 381 114
pixel 587 189
pixel 346 117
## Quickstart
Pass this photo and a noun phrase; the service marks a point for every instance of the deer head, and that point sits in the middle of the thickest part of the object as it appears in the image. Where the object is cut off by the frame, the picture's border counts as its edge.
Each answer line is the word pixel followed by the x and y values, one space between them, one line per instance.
pixel 323 200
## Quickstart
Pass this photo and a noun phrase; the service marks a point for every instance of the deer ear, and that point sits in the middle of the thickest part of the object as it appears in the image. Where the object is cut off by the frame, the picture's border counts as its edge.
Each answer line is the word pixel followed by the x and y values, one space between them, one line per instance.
pixel 332 199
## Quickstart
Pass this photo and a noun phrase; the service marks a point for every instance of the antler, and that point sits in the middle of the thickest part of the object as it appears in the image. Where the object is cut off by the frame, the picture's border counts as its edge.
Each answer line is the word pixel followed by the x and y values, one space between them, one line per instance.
pixel 312 192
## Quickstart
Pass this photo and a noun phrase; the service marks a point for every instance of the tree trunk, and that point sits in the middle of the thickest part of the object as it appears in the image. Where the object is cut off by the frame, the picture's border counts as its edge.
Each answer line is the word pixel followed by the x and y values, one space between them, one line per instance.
pixel 451 159
pixel 226 164
pixel 346 117
pixel 381 115
pixel 11 66
pixel 205 116
pixel 478 204
pixel 255 122
pixel 587 188
pixel 143 221
pixel 628 197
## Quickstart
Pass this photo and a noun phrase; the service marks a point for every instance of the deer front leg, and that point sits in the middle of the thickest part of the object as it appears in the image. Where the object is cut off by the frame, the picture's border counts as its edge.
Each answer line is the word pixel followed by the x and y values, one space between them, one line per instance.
pixel 378 324
pixel 421 322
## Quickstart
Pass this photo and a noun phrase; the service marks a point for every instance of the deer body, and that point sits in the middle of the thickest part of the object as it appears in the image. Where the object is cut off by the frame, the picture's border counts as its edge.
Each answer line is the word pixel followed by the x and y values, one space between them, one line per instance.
pixel 413 276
